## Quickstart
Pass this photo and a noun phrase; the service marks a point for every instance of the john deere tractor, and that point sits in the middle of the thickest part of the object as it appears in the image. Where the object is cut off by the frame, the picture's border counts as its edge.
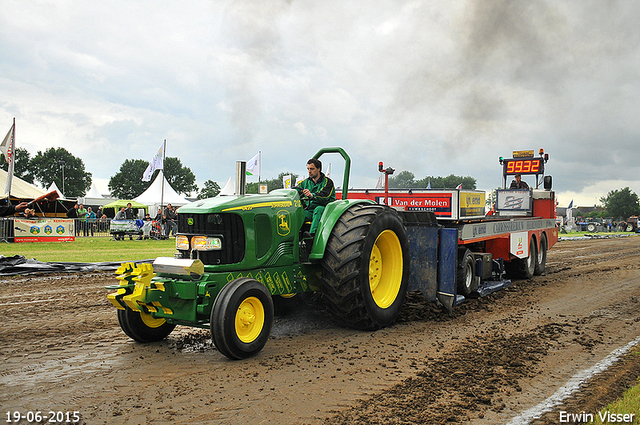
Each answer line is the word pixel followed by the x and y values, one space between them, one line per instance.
pixel 235 253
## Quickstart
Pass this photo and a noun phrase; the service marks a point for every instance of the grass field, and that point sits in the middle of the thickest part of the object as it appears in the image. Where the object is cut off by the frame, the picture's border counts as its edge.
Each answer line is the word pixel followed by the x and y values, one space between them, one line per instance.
pixel 91 250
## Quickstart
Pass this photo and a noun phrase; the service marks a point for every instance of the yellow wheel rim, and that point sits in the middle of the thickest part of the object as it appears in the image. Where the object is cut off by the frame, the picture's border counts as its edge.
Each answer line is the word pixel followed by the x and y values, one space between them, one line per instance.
pixel 249 319
pixel 150 321
pixel 385 269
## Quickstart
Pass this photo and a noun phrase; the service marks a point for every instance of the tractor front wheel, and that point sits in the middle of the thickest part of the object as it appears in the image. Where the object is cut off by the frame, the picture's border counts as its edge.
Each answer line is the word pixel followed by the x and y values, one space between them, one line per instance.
pixel 366 267
pixel 143 327
pixel 241 318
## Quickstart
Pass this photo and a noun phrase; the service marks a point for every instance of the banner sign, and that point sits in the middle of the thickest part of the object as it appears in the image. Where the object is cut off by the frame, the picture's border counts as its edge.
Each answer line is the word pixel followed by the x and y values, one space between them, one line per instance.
pixel 438 203
pixel 44 230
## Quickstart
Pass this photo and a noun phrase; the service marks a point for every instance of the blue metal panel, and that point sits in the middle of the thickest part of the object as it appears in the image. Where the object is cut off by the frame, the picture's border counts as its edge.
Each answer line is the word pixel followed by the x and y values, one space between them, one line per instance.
pixel 423 248
pixel 447 264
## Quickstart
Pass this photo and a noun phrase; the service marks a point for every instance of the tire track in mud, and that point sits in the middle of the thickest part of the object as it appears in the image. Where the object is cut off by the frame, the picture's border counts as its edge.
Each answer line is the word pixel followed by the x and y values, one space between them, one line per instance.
pixel 464 385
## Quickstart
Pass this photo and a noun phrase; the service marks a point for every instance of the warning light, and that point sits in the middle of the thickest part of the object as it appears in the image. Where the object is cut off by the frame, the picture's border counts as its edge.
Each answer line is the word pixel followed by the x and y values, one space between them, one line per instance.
pixel 541 151
pixel 501 160
pixel 380 166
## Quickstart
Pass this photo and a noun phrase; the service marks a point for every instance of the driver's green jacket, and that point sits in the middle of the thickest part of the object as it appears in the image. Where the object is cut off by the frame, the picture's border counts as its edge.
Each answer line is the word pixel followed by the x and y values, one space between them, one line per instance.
pixel 323 192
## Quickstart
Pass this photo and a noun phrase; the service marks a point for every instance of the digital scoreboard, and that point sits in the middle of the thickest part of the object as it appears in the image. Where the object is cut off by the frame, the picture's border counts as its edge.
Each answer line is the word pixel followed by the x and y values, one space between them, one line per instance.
pixel 523 166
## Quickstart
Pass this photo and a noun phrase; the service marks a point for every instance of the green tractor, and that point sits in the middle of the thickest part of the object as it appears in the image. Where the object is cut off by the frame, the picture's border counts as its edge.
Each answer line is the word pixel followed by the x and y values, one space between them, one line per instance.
pixel 236 253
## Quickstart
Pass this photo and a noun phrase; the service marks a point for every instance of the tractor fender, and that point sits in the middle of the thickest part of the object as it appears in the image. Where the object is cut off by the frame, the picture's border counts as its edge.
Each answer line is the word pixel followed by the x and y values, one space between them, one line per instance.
pixel 330 217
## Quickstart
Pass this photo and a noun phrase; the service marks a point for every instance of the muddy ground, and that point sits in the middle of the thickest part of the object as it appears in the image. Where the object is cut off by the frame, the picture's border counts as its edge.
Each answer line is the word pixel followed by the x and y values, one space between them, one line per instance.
pixel 62 350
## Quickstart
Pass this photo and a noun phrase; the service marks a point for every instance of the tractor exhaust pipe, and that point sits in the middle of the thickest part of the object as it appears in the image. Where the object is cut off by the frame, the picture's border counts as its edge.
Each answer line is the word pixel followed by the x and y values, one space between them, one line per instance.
pixel 241 177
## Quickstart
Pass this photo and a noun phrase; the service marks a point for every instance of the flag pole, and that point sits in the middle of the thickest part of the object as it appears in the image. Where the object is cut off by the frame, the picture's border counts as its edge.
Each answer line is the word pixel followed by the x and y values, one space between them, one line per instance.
pixel 164 153
pixel 11 166
pixel 259 168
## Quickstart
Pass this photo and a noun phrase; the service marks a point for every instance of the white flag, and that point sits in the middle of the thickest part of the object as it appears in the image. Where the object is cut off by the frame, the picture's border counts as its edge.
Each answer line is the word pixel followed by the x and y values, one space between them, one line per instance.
pixel 253 165
pixel 286 181
pixel 328 173
pixel 8 147
pixel 156 164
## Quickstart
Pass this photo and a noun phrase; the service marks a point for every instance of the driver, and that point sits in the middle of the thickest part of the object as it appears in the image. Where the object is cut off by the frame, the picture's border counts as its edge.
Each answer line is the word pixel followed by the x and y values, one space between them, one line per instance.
pixel 319 190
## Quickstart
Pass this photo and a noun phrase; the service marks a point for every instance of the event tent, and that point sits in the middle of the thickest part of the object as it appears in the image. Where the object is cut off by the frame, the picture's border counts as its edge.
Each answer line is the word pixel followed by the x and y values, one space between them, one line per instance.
pixel 95 198
pixel 154 198
pixel 20 189
pixel 116 205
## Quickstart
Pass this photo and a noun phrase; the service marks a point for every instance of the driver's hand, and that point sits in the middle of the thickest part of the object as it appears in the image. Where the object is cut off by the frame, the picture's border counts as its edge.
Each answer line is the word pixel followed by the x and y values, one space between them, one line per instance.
pixel 307 193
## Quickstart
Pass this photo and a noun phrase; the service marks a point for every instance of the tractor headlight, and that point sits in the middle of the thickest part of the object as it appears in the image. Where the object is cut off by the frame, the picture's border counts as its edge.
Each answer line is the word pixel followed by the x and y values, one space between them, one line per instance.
pixel 182 242
pixel 206 243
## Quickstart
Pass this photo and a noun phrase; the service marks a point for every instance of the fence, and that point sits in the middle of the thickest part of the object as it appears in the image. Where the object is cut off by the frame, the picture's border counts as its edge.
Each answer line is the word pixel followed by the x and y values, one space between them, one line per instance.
pixel 82 228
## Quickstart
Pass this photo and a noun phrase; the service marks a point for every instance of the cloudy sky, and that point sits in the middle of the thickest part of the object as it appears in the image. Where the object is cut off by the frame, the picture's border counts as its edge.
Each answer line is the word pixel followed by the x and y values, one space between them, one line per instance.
pixel 435 87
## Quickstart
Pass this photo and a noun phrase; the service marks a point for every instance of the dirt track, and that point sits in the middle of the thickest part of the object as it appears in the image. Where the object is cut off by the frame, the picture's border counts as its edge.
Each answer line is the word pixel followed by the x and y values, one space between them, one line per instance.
pixel 63 350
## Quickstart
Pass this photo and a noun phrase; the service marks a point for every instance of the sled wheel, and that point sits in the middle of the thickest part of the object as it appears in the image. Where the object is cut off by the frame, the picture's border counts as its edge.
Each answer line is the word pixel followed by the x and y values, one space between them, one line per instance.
pixel 467 282
pixel 541 258
pixel 523 268
pixel 143 327
pixel 366 267
pixel 241 318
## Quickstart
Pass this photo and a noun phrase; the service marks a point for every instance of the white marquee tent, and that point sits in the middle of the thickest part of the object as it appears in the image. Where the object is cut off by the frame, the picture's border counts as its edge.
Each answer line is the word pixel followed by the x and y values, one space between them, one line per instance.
pixel 19 188
pixel 153 196
pixel 94 197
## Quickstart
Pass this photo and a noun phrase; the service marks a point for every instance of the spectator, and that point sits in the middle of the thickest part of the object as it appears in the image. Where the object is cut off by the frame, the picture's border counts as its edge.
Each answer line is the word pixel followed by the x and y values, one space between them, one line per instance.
pixel 6 210
pixel 29 214
pixel 91 218
pixel 73 212
pixel 169 215
pixel 146 227
pixel 121 214
pixel 129 213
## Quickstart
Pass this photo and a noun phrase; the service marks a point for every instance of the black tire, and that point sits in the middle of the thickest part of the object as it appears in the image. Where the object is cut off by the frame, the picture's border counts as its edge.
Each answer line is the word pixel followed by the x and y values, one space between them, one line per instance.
pixel 142 327
pixel 629 227
pixel 366 267
pixel 541 258
pixel 523 268
pixel 591 227
pixel 466 275
pixel 241 318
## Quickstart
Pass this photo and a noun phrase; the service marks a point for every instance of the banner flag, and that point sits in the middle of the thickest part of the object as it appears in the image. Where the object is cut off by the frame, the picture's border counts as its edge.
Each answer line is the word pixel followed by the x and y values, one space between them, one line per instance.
pixel 8 147
pixel 286 181
pixel 156 164
pixel 253 165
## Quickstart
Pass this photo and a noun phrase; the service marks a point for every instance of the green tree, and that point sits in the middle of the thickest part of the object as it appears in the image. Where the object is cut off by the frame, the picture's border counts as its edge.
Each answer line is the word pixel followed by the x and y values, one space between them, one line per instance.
pixel 402 180
pixel 209 190
pixel 22 167
pixel 127 183
pixel 406 180
pixel 48 167
pixel 621 204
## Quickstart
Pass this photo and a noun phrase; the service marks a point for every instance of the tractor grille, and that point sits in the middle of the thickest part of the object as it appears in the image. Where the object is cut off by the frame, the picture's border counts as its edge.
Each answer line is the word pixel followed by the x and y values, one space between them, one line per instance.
pixel 229 226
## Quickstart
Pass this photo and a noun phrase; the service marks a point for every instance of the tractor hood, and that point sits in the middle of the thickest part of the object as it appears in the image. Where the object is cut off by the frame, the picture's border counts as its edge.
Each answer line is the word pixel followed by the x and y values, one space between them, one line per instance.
pixel 279 198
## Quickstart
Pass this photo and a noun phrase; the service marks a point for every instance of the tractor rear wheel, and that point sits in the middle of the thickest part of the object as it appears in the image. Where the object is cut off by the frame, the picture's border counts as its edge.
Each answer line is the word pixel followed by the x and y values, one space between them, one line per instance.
pixel 241 318
pixel 523 268
pixel 366 267
pixel 143 327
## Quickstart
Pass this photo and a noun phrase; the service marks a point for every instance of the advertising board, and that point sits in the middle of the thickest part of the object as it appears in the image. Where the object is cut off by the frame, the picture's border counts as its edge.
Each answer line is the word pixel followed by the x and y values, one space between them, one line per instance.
pixel 44 230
